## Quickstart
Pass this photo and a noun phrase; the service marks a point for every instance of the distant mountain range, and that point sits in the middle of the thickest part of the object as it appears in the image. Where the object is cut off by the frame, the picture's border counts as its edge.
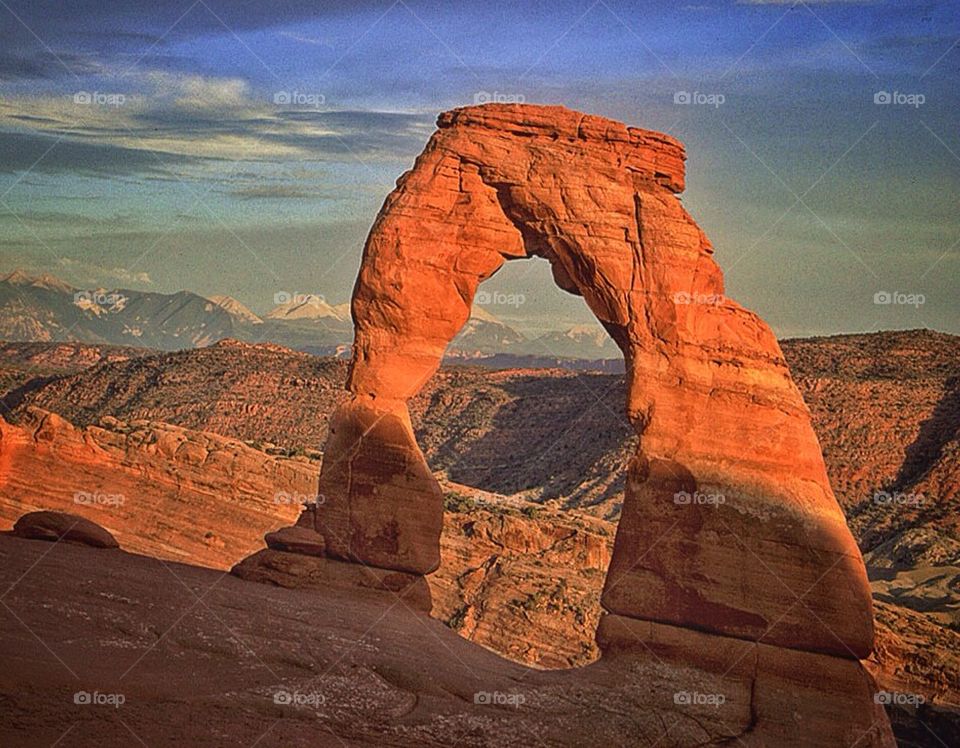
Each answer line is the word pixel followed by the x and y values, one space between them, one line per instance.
pixel 580 341
pixel 46 309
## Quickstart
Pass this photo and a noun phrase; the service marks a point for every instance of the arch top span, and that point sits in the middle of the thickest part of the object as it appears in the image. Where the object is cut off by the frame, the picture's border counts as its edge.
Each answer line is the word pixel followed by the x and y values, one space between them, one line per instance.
pixel 654 154
pixel 728 515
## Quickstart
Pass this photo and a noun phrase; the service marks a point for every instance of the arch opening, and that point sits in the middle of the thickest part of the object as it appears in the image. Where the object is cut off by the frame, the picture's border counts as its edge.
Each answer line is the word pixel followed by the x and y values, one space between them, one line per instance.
pixel 540 436
pixel 526 467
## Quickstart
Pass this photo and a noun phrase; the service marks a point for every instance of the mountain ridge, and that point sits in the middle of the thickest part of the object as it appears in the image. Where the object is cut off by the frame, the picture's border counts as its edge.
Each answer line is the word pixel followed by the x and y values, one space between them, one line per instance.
pixel 46 309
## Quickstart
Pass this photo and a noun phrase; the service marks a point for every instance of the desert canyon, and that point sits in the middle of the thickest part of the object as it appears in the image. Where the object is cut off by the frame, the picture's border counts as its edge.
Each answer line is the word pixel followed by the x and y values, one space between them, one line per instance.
pixel 455 556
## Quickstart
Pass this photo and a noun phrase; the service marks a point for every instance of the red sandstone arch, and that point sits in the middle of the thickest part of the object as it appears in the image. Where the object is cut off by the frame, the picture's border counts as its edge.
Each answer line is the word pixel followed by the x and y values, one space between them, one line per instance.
pixel 708 390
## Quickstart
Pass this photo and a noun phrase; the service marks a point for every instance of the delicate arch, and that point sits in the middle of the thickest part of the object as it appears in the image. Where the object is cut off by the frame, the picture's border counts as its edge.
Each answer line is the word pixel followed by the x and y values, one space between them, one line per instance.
pixel 729 524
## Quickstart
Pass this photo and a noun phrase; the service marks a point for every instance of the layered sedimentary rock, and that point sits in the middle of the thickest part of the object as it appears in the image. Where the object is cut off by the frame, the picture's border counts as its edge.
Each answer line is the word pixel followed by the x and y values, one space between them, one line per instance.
pixel 496 586
pixel 498 583
pixel 159 489
pixel 729 524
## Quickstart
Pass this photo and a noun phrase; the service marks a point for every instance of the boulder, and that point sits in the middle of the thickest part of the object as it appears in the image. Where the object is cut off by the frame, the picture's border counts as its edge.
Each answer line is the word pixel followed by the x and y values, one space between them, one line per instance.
pixel 57 526
pixel 296 540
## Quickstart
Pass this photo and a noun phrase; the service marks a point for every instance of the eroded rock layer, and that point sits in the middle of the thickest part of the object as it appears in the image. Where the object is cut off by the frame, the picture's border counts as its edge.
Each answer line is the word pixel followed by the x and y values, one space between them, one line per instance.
pixel 161 490
pixel 729 524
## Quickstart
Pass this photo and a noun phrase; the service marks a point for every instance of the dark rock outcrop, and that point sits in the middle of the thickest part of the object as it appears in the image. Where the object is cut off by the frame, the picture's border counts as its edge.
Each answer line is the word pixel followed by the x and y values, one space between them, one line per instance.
pixel 60 526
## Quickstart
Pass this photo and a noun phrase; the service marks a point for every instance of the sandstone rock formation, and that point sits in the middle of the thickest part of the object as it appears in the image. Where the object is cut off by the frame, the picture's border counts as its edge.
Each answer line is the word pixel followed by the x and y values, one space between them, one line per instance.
pixel 497 584
pixel 729 524
pixel 61 526
pixel 160 489
pixel 883 405
pixel 295 570
pixel 203 658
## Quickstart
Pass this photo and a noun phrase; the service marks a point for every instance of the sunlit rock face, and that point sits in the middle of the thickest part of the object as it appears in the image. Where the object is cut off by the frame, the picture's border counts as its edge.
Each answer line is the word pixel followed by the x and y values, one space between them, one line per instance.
pixel 729 524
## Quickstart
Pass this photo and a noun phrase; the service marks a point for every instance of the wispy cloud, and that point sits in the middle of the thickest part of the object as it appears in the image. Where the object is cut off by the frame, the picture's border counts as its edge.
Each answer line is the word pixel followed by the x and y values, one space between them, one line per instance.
pixel 272 192
pixel 192 116
pixel 41 64
pixel 311 40
pixel 38 150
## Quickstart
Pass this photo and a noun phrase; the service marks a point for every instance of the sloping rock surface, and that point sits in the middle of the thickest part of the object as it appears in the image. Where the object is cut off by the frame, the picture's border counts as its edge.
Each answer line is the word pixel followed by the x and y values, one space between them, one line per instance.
pixel 112 649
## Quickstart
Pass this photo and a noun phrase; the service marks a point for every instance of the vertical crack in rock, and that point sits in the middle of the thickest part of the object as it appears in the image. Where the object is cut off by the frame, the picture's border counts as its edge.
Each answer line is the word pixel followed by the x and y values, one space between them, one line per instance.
pixel 641 249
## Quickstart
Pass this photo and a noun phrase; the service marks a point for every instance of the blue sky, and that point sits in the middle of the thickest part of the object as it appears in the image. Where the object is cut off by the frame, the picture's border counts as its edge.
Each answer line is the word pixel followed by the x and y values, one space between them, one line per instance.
pixel 244 148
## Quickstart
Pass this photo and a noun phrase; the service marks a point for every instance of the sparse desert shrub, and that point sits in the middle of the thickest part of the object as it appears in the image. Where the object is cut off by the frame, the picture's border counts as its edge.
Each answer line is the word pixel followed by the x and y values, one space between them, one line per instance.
pixel 458 618
pixel 532 601
pixel 454 502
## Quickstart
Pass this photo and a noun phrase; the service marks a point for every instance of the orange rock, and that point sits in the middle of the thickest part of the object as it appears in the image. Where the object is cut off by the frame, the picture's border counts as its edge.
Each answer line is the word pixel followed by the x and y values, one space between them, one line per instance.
pixel 168 510
pixel 142 482
pixel 729 523
pixel 296 539
pixel 779 689
pixel 395 507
